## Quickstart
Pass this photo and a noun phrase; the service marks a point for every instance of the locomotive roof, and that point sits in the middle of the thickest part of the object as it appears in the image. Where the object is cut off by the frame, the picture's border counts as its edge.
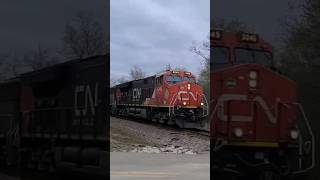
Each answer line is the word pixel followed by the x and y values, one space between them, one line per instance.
pixel 66 63
pixel 10 81
pixel 129 82
pixel 50 71
pixel 55 71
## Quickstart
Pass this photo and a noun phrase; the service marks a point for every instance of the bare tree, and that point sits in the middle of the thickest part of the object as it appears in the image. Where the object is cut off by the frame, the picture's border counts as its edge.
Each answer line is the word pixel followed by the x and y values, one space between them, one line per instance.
pixel 114 81
pixel 122 80
pixel 83 37
pixel 301 37
pixel 13 62
pixel 3 59
pixel 10 65
pixel 233 25
pixel 39 58
pixel 203 51
pixel 168 67
pixel 137 73
pixel 203 48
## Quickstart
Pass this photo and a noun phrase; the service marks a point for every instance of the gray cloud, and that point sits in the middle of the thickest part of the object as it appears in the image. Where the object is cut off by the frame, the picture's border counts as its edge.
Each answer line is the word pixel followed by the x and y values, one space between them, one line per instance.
pixel 153 33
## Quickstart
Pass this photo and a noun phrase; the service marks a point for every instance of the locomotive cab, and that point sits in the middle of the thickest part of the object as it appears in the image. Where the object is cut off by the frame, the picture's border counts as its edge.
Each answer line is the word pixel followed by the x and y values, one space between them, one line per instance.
pixel 239 48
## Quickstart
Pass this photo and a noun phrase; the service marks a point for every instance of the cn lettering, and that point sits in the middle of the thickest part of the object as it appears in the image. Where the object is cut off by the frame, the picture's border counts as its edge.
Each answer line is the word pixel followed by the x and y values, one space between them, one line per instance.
pixel 90 96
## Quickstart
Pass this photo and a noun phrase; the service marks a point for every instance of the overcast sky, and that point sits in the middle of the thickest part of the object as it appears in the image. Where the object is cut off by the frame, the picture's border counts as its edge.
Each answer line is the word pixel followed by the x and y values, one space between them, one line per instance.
pixel 24 24
pixel 153 33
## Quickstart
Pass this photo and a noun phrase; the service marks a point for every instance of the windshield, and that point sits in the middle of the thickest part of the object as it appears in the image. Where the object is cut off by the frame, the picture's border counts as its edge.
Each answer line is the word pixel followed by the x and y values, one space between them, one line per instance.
pixel 219 55
pixel 173 79
pixel 253 56
pixel 189 79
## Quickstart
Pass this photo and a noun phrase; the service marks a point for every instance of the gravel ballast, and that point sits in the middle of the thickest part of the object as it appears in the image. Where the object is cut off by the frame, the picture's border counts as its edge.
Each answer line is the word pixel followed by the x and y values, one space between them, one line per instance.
pixel 138 136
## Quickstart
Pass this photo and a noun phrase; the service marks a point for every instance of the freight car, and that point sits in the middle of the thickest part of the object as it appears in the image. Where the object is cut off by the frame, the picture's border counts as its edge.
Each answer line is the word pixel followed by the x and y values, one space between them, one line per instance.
pixel 171 97
pixel 257 126
pixel 55 118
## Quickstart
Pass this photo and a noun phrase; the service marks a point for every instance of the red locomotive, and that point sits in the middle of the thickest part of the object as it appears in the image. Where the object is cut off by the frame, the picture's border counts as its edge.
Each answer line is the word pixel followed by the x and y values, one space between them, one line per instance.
pixel 257 126
pixel 171 97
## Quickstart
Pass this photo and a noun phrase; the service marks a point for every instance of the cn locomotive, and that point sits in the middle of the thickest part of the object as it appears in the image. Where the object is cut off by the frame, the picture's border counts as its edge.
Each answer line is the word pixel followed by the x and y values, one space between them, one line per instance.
pixel 257 126
pixel 54 119
pixel 171 97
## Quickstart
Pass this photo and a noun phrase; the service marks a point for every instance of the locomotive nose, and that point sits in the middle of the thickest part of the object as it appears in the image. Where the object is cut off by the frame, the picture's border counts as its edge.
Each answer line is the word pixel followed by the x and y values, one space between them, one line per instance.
pixel 188 94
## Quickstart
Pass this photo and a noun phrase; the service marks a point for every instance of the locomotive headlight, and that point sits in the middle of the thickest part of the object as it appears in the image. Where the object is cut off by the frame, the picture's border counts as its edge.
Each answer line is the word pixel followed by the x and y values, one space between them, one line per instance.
pixel 238 132
pixel 184 103
pixel 189 86
pixel 294 134
pixel 253 83
pixel 253 75
pixel 202 104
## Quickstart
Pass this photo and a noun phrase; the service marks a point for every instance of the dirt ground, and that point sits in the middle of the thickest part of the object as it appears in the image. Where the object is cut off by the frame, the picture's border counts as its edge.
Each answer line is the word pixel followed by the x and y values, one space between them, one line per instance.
pixel 134 136
pixel 123 140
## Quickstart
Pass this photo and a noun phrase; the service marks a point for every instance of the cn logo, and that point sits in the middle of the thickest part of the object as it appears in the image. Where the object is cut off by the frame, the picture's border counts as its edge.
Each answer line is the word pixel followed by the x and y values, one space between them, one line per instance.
pixel 136 94
pixel 239 97
pixel 88 98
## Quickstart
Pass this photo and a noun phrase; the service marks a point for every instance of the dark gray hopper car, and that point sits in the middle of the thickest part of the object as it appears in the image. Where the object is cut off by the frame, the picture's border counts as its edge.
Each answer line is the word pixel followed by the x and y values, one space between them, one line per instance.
pixel 129 91
pixel 59 121
pixel 133 93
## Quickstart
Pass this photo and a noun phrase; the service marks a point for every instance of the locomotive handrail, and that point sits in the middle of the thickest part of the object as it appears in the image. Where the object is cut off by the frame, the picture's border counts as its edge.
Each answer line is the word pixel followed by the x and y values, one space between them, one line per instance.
pixel 220 141
pixel 306 121
pixel 173 100
pixel 214 110
pixel 9 133
pixel 207 106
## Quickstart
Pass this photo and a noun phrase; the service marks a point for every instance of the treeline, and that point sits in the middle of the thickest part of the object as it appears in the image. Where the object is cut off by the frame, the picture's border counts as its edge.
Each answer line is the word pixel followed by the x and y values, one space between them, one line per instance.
pixel 300 60
pixel 300 55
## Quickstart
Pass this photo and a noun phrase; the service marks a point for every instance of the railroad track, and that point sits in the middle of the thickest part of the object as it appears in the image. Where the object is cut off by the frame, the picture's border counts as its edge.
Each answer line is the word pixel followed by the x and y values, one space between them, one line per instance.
pixel 199 132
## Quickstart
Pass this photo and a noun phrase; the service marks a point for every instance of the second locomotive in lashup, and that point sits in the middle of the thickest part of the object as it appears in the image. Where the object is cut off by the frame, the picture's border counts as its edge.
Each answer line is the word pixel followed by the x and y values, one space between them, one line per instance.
pixel 171 97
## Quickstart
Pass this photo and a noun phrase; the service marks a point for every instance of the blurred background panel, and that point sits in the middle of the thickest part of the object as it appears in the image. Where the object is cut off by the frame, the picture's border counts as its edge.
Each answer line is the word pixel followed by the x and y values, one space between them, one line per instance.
pixel 289 26
pixel 54 81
